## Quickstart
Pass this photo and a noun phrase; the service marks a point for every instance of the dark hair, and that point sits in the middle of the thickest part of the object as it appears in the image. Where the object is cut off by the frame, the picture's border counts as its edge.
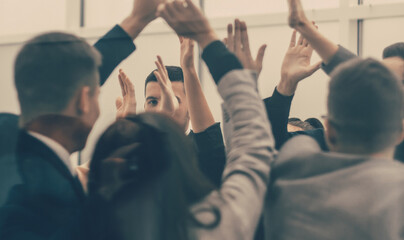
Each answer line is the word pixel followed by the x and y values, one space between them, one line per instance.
pixel 365 105
pixel 394 50
pixel 315 123
pixel 175 74
pixel 161 152
pixel 300 124
pixel 49 69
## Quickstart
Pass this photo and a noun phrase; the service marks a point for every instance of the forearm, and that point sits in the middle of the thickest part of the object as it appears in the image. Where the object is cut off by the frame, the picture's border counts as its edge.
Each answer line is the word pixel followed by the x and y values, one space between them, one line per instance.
pixel 199 111
pixel 321 44
pixel 133 26
pixel 114 47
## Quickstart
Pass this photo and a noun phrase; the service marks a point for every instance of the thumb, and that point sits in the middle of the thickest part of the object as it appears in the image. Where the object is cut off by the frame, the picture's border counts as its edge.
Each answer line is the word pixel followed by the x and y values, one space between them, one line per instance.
pixel 261 54
pixel 118 102
pixel 315 67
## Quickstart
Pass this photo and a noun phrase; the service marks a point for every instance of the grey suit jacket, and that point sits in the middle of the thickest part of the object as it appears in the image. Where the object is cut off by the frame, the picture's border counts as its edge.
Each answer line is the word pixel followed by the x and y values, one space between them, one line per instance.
pixel 317 195
pixel 250 151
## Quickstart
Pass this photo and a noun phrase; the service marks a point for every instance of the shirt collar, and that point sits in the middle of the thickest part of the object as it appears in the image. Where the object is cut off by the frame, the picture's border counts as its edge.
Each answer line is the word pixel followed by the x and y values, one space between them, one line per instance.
pixel 57 148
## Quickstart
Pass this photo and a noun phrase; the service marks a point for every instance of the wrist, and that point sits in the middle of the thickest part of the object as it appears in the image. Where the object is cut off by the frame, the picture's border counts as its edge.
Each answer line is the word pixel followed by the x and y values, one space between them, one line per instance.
pixel 206 38
pixel 286 87
pixel 133 25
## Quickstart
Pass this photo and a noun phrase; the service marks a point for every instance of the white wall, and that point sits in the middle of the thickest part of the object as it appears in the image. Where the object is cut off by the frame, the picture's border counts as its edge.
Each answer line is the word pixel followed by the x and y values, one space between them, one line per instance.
pixel 381 27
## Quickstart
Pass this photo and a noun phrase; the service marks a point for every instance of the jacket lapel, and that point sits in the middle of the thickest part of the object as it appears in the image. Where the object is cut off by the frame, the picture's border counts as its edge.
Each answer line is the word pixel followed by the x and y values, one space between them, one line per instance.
pixel 29 146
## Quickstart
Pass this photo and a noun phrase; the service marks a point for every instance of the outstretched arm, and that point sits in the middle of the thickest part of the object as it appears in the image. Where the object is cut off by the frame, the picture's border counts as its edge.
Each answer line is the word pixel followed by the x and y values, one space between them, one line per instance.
pixel 298 20
pixel 116 45
pixel 199 111
pixel 296 66
pixel 247 170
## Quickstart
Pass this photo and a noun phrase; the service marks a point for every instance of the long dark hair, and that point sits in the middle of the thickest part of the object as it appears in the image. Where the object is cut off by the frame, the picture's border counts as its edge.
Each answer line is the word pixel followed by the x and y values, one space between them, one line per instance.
pixel 153 146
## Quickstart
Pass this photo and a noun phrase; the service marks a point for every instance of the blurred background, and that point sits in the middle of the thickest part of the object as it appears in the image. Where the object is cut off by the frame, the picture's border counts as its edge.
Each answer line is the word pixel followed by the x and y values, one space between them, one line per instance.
pixel 363 26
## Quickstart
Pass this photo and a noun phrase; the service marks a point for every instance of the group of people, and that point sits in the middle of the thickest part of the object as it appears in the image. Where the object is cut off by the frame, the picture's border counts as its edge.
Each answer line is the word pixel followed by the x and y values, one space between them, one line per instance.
pixel 151 177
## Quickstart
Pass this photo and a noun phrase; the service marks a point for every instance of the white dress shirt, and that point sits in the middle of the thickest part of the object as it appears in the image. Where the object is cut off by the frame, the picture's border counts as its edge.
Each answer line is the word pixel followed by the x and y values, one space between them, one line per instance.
pixel 58 149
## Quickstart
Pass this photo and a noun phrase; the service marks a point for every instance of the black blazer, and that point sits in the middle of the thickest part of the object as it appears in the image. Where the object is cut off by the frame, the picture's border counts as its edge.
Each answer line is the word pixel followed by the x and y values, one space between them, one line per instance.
pixel 47 204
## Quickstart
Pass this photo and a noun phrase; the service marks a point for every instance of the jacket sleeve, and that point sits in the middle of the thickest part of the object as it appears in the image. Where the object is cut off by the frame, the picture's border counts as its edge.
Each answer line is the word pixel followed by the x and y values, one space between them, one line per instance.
pixel 251 148
pixel 115 46
pixel 211 152
pixel 278 109
pixel 341 56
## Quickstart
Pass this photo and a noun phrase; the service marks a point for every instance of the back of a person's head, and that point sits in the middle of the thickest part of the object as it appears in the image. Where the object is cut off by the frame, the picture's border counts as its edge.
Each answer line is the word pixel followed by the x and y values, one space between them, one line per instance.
pixel 365 106
pixel 315 123
pixel 159 152
pixel 50 69
pixel 175 74
pixel 394 50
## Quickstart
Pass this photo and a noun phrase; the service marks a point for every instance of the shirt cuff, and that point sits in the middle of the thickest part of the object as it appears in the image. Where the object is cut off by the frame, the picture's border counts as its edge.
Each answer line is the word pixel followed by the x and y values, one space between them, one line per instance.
pixel 220 60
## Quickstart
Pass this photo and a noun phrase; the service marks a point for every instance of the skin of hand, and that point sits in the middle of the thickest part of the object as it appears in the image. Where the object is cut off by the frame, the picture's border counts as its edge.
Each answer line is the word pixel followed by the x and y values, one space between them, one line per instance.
pixel 125 105
pixel 187 53
pixel 239 44
pixel 169 102
pixel 298 20
pixel 143 12
pixel 198 108
pixel 187 20
pixel 296 65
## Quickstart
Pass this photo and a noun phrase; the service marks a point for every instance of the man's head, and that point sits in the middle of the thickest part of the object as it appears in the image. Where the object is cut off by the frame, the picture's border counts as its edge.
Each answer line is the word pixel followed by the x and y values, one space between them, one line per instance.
pixel 57 73
pixel 153 94
pixel 393 58
pixel 365 108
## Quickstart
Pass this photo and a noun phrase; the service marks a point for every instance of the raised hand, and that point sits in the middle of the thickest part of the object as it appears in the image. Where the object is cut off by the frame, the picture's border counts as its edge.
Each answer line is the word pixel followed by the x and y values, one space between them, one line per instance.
pixel 239 44
pixel 297 17
pixel 187 53
pixel 187 20
pixel 125 105
pixel 169 102
pixel 143 12
pixel 296 65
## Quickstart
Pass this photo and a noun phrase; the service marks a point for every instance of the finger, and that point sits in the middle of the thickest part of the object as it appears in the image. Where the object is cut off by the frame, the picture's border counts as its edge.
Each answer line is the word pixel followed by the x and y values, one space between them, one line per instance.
pixel 237 36
pixel 163 13
pixel 230 38
pixel 190 4
pixel 121 83
pixel 314 68
pixel 125 81
pixel 181 38
pixel 293 40
pixel 260 55
pixel 191 46
pixel 163 68
pixel 170 10
pixel 300 41
pixel 305 42
pixel 244 38
pixel 159 78
pixel 131 87
pixel 118 102
pixel 178 7
pixel 225 42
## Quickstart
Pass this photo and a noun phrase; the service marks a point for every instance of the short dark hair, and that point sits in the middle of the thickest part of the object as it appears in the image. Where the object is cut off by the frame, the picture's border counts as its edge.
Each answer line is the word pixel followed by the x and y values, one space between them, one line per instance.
pixel 48 71
pixel 394 50
pixel 365 105
pixel 175 74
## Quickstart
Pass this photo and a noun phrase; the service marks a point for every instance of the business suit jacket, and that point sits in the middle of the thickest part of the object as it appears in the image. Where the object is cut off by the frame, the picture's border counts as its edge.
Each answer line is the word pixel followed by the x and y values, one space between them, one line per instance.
pixel 278 108
pixel 48 201
pixel 317 195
